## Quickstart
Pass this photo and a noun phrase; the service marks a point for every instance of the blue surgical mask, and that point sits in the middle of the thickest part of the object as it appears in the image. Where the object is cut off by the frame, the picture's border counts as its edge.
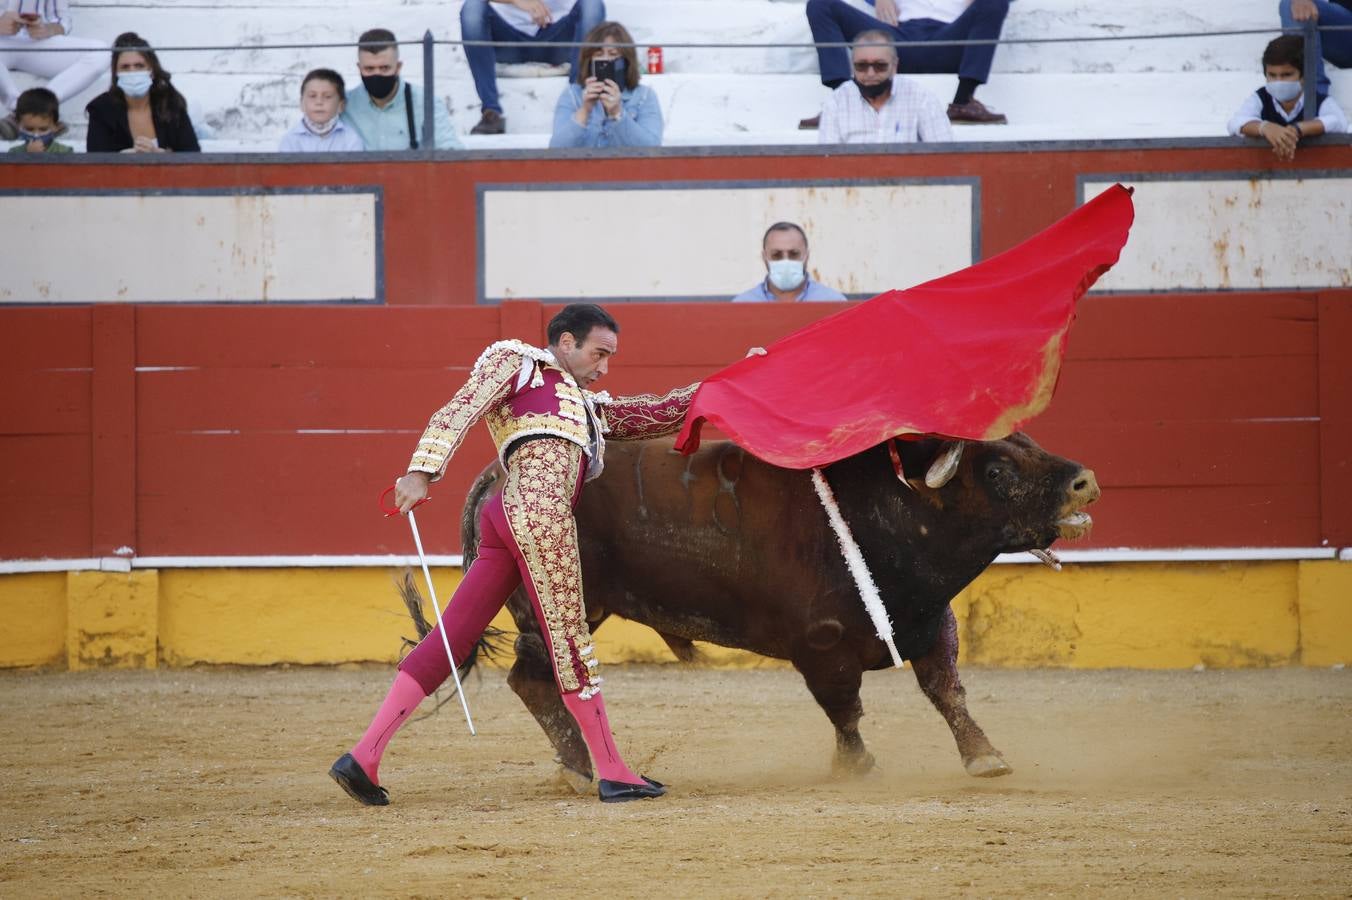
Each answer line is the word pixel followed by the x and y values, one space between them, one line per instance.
pixel 787 274
pixel 28 137
pixel 134 84
pixel 1284 91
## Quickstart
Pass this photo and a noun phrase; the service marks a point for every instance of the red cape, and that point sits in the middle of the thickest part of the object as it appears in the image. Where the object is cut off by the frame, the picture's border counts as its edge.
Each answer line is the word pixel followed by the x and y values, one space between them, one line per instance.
pixel 974 354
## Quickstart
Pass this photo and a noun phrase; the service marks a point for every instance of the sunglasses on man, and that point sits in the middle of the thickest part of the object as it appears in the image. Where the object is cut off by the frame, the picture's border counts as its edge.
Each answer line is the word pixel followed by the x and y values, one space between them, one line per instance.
pixel 876 65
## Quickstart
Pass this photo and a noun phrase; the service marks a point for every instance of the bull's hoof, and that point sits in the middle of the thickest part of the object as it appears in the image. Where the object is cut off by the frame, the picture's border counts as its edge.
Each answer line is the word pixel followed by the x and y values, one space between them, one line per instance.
pixel 987 766
pixel 571 778
pixel 853 766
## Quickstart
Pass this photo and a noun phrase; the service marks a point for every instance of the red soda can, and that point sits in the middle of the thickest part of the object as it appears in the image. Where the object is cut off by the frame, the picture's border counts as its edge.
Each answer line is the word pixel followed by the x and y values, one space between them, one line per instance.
pixel 654 60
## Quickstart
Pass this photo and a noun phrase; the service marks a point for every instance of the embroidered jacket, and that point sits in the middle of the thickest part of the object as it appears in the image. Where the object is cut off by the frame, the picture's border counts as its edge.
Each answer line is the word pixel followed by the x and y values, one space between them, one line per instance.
pixel 520 391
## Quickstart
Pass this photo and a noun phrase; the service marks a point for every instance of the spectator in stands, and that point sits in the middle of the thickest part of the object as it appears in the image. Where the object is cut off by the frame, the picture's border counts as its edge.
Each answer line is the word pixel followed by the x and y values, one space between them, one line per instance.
pixel 784 252
pixel 386 111
pixel 525 24
pixel 321 128
pixel 877 107
pixel 618 112
pixel 836 21
pixel 142 112
pixel 25 26
pixel 39 117
pixel 1273 112
pixel 1334 46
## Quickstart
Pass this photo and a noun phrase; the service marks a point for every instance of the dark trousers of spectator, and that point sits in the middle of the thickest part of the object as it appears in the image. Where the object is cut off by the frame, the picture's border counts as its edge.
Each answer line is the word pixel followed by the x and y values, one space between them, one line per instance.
pixel 1335 46
pixel 479 22
pixel 834 21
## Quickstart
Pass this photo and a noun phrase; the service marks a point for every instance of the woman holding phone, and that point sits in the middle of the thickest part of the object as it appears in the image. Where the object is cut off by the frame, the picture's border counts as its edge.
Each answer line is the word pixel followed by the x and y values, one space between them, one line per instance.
pixel 606 106
pixel 141 112
pixel 26 28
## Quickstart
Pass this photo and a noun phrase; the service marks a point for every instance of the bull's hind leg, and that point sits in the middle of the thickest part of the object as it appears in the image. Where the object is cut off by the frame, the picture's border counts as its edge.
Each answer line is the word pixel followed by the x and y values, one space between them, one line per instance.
pixel 834 681
pixel 937 672
pixel 532 678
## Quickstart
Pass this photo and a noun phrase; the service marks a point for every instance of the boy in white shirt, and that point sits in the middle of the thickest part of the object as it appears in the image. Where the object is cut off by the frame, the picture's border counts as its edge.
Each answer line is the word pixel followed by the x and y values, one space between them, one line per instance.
pixel 1275 111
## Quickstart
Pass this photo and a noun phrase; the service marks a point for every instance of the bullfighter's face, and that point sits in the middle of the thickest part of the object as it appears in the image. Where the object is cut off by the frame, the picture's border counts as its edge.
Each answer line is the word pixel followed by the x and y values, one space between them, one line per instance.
pixel 589 359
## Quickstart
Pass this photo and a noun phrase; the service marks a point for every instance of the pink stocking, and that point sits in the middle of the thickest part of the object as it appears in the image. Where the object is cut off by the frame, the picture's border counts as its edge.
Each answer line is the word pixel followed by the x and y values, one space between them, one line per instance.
pixel 404 696
pixel 591 718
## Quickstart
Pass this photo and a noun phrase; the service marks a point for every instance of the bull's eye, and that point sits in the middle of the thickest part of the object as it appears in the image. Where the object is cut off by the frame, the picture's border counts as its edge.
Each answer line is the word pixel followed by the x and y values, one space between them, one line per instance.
pixel 994 472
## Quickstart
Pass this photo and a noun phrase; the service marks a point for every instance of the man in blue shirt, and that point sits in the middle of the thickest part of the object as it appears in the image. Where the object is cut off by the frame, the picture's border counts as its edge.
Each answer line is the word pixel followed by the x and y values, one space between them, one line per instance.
pixel 784 252
pixel 380 109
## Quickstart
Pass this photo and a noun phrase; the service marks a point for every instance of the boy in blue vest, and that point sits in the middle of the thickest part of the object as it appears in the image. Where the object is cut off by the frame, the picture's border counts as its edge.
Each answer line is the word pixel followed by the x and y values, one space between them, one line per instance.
pixel 1275 111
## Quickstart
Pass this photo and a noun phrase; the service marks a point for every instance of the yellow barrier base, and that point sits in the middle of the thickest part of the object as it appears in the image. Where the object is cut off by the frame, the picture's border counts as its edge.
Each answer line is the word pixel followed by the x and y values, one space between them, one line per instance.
pixel 1092 615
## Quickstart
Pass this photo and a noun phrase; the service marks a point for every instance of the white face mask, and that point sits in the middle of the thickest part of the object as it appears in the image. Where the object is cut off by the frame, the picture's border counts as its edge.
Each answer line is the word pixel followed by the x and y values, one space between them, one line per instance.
pixel 315 128
pixel 787 274
pixel 134 84
pixel 1284 91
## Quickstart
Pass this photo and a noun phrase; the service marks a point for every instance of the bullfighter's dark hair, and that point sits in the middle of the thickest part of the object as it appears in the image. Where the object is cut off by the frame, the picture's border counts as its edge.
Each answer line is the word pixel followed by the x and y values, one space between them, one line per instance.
pixel 328 75
pixel 784 226
pixel 377 40
pixel 1287 50
pixel 578 319
pixel 38 101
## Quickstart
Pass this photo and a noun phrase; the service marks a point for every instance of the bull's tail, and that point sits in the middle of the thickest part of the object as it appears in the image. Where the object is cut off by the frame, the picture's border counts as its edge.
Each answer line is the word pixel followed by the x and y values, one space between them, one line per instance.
pixel 469 513
pixel 490 644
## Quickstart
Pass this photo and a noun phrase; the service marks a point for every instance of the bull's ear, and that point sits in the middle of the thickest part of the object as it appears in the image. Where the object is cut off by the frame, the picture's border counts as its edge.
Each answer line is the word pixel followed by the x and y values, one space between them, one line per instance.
pixel 945 465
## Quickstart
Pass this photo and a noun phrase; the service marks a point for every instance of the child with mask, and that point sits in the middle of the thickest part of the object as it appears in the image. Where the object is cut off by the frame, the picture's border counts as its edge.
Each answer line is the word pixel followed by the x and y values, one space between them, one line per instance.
pixel 39 118
pixel 141 112
pixel 321 128
pixel 1275 112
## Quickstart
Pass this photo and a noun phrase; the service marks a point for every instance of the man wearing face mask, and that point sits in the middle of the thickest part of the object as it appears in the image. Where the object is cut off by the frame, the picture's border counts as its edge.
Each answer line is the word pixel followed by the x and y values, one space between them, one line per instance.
pixel 1275 112
pixel 784 252
pixel 877 107
pixel 386 111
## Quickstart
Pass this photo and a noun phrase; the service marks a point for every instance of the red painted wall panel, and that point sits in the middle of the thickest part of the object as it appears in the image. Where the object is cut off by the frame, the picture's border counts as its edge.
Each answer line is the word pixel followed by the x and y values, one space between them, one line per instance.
pixel 1211 419
pixel 273 430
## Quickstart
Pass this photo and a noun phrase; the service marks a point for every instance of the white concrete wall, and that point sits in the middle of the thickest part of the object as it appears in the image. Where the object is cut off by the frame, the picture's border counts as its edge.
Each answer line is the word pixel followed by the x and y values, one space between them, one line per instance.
pixel 246 99
pixel 137 248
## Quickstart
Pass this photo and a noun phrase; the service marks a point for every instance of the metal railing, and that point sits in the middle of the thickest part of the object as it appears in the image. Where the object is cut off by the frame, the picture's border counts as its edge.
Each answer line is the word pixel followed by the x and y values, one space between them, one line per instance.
pixel 1309 29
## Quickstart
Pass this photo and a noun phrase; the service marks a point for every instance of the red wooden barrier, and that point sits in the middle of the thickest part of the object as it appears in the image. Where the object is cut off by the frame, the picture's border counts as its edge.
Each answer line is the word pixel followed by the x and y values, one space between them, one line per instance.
pixel 1212 420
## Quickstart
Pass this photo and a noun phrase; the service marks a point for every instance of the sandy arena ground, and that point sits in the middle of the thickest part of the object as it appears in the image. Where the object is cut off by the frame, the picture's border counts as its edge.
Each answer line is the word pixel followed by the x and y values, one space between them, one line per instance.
pixel 212 783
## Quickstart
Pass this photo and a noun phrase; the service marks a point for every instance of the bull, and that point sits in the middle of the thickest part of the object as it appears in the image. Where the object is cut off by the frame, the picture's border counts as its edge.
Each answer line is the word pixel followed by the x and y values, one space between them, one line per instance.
pixel 721 547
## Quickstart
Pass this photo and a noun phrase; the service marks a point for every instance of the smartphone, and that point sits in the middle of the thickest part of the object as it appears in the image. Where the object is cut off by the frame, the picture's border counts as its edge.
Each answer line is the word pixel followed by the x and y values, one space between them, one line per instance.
pixel 604 70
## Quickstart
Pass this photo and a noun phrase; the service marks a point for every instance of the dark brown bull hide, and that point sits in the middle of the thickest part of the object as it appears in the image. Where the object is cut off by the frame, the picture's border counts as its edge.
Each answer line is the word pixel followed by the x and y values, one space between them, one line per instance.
pixel 724 548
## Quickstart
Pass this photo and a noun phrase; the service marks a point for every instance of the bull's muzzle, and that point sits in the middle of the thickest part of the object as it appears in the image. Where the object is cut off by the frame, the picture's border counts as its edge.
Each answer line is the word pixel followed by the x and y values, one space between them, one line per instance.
pixel 1083 490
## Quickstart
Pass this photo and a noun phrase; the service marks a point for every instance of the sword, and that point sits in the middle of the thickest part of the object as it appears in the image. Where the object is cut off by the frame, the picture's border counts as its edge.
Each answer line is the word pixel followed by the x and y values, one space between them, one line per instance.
pixel 436 607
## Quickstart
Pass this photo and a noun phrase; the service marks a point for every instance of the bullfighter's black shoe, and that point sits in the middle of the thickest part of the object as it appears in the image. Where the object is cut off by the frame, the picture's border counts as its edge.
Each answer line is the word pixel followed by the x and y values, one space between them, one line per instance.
pixel 619 791
pixel 352 778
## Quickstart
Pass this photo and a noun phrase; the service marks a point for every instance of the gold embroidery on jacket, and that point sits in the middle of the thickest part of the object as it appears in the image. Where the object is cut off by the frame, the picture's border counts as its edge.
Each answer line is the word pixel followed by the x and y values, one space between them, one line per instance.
pixel 537 499
pixel 490 382
pixel 645 416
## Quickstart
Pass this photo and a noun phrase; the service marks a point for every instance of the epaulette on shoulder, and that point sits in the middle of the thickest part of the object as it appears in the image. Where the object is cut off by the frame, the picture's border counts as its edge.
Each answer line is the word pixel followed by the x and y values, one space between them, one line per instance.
pixel 514 348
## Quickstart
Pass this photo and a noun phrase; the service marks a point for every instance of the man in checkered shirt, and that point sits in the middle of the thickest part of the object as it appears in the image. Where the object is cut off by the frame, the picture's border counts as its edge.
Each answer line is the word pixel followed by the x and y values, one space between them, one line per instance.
pixel 877 107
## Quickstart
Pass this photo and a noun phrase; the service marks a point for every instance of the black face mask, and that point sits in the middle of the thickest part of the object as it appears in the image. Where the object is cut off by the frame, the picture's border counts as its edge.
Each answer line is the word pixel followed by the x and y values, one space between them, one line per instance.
pixel 380 86
pixel 873 91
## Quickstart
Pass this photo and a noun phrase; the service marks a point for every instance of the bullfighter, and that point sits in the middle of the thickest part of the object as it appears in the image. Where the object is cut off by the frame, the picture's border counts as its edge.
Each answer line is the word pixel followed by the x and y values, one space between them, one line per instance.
pixel 550 433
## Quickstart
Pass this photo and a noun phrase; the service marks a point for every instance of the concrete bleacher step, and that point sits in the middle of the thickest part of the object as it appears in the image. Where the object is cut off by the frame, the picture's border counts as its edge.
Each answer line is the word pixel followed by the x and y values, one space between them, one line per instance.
pixel 245 99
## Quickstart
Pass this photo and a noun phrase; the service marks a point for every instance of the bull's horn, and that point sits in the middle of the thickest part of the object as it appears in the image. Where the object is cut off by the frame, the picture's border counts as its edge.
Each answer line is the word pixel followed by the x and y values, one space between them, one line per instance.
pixel 945 465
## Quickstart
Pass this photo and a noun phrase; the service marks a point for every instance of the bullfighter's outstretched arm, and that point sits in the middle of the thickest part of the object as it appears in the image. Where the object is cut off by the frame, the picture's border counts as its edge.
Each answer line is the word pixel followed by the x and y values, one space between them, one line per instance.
pixel 644 416
pixel 490 381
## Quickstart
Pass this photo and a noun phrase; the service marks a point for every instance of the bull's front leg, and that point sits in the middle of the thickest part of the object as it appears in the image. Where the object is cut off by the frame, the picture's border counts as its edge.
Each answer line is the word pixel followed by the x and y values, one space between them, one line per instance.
pixel 532 678
pixel 937 672
pixel 834 681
